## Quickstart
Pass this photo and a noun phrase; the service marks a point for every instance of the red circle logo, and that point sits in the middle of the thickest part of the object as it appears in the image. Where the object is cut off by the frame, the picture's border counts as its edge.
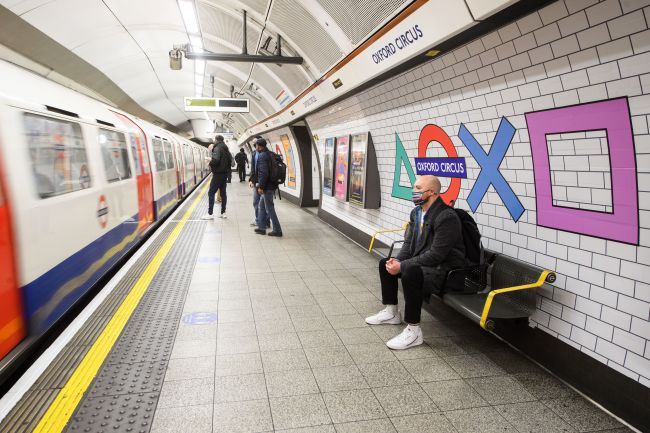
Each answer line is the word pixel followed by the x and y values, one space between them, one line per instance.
pixel 435 133
pixel 102 212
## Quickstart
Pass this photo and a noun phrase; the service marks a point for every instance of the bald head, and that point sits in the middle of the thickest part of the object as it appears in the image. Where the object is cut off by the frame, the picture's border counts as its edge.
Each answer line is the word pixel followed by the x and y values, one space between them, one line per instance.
pixel 428 182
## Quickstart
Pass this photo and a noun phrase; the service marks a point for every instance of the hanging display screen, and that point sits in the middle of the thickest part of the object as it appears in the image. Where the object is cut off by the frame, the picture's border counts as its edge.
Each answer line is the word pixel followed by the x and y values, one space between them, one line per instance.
pixel 358 151
pixel 328 169
pixel 342 166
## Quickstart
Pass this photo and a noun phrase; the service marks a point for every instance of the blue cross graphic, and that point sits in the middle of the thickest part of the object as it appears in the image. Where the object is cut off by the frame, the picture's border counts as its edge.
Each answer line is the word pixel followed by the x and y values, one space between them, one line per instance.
pixel 489 163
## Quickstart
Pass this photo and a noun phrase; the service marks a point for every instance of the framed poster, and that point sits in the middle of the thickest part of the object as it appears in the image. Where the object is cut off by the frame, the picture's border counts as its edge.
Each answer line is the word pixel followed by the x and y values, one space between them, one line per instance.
pixel 358 152
pixel 342 166
pixel 328 167
pixel 290 161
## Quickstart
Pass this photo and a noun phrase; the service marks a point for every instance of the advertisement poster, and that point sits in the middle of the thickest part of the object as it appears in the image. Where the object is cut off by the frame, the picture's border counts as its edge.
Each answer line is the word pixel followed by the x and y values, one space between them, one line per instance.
pixel 291 163
pixel 328 172
pixel 342 163
pixel 358 149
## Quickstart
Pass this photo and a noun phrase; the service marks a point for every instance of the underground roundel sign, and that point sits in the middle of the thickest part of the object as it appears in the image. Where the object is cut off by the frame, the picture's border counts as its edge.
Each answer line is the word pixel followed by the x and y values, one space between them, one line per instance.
pixel 102 212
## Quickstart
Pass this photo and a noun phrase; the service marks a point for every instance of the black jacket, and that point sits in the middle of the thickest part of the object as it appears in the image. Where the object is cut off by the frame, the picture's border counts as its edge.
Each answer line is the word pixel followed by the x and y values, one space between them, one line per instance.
pixel 263 171
pixel 440 247
pixel 221 159
pixel 241 158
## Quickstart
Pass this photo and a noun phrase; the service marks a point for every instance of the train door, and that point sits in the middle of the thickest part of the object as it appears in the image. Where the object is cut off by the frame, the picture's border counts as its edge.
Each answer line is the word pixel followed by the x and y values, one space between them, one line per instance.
pixel 12 325
pixel 144 178
pixel 180 169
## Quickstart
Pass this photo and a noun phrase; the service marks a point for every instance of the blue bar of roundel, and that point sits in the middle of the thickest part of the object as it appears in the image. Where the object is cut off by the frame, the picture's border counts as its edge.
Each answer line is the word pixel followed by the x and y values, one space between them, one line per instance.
pixel 441 164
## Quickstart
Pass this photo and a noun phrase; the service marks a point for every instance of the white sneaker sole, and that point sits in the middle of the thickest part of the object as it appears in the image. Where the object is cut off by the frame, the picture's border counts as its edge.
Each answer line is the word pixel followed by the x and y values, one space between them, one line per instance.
pixel 418 341
pixel 395 320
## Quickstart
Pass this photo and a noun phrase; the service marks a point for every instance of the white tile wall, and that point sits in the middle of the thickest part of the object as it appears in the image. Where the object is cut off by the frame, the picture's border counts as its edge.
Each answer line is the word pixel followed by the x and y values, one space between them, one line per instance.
pixel 570 52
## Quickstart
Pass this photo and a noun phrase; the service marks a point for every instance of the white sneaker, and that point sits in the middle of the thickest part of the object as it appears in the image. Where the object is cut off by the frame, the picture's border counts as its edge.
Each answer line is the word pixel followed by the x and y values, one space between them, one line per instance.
pixel 253 224
pixel 411 336
pixel 207 216
pixel 223 215
pixel 385 317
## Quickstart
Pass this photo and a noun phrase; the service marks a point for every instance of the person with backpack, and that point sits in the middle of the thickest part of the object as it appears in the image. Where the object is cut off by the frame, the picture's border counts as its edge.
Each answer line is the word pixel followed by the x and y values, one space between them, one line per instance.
pixel 433 245
pixel 220 164
pixel 267 181
pixel 242 162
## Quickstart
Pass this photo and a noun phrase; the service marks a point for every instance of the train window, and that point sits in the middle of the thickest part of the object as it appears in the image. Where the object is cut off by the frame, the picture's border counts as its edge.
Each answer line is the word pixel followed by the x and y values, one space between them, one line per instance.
pixel 159 154
pixel 58 155
pixel 115 155
pixel 169 153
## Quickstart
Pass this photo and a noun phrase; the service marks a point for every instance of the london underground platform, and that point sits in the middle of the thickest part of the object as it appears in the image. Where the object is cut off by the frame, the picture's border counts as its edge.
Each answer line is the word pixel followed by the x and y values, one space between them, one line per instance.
pixel 213 328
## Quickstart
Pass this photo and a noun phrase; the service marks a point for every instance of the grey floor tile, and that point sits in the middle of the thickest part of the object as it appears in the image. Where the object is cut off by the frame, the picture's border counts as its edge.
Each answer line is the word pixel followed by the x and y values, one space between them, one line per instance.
pixel 320 357
pixel 511 362
pixel 284 341
pixel 236 316
pixel 289 383
pixel 283 360
pixel 194 348
pixel 473 365
pixel 582 415
pixel 319 338
pixel 191 392
pixel 356 405
pixel 306 312
pixel 268 327
pixel 329 428
pixel 386 374
pixel 479 419
pixel 234 365
pixel 429 369
pixel 543 386
pixel 195 419
pixel 347 321
pixel 339 378
pixel 334 310
pixel 358 336
pixel 370 352
pixel 534 417
pixel 443 346
pixel 196 332
pixel 237 345
pixel 239 388
pixel 417 352
pixel 383 425
pixel 299 411
pixel 242 417
pixel 190 368
pixel 274 313
pixel 234 304
pixel 231 330
pixel 404 400
pixel 295 300
pixel 311 323
pixel 500 389
pixel 453 394
pixel 423 423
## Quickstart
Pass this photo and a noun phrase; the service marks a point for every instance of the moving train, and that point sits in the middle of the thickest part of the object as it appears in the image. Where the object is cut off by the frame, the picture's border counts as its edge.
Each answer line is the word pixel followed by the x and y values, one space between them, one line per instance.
pixel 81 183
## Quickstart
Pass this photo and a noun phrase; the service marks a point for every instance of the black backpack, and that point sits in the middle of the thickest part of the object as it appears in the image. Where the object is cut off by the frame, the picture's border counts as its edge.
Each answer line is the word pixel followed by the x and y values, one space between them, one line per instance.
pixel 278 169
pixel 471 237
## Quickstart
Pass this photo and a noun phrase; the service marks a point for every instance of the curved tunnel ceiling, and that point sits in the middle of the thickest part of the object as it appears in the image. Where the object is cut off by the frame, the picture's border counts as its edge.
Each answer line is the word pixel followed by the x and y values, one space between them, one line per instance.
pixel 130 44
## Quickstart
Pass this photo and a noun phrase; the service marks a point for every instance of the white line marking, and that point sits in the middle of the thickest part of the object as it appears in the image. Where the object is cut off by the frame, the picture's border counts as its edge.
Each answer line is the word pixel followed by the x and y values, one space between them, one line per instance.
pixel 20 388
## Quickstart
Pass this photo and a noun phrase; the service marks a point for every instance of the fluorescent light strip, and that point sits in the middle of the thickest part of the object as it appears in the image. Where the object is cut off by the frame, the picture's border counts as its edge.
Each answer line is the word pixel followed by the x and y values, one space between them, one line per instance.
pixel 189 15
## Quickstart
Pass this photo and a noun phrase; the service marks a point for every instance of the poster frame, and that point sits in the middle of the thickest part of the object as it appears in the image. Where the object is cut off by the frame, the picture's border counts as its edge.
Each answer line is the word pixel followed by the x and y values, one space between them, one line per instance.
pixel 332 166
pixel 347 168
pixel 362 202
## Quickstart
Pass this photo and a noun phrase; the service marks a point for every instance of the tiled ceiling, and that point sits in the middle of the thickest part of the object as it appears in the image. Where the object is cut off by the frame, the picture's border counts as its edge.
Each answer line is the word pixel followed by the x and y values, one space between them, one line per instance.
pixel 129 41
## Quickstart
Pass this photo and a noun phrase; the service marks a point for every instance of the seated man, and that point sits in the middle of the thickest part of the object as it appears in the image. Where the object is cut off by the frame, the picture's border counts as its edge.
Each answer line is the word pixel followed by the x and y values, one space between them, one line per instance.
pixel 432 246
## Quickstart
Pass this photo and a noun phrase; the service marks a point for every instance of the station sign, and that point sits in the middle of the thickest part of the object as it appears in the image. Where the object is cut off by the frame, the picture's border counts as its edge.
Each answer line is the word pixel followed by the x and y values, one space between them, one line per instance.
pixel 224 105
pixel 441 167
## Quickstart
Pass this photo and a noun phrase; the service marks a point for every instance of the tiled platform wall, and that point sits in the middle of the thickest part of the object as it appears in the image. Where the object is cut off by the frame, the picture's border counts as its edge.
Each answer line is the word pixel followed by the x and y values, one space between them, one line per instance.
pixel 573 53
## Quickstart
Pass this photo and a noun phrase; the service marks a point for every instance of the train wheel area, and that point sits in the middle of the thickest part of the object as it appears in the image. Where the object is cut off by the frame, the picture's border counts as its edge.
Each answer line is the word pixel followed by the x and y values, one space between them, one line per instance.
pixel 216 328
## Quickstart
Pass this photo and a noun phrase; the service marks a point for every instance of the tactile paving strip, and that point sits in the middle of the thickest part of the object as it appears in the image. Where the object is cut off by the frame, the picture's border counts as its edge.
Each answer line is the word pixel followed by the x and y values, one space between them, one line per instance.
pixel 27 413
pixel 137 363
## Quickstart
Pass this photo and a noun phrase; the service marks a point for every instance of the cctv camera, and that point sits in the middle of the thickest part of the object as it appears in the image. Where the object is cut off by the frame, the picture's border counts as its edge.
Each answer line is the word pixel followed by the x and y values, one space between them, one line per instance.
pixel 176 59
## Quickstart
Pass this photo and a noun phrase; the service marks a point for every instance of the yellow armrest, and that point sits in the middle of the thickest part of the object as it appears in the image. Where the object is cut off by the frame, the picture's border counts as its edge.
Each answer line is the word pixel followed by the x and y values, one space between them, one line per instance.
pixel 372 241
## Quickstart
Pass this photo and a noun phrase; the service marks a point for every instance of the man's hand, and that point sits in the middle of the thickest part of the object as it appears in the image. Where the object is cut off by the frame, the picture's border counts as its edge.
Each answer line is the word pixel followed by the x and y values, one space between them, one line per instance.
pixel 250 184
pixel 393 266
pixel 260 191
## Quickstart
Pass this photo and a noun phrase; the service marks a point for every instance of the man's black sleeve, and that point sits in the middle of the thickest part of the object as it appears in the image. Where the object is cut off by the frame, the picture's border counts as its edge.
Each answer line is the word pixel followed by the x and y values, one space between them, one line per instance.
pixel 263 167
pixel 446 235
pixel 405 252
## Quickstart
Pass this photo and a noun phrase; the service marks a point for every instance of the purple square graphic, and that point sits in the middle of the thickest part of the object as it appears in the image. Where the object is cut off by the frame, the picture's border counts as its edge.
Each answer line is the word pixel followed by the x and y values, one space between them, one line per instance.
pixel 614 116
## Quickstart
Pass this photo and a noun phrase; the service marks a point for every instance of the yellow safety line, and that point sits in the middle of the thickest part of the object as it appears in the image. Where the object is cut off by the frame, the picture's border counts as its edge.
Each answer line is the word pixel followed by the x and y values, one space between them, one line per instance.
pixel 372 241
pixel 493 293
pixel 65 403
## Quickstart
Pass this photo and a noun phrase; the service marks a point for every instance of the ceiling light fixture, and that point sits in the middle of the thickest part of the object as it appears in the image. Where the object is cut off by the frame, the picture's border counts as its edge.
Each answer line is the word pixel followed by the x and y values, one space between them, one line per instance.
pixel 189 16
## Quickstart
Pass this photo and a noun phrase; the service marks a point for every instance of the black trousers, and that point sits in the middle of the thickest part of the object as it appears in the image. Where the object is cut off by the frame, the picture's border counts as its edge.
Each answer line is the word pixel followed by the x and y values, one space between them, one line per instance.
pixel 218 182
pixel 413 285
pixel 241 169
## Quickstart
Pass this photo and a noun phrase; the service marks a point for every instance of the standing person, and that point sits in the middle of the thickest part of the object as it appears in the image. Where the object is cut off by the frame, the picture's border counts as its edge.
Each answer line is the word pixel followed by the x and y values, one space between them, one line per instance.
pixel 432 246
pixel 220 167
pixel 252 181
pixel 265 188
pixel 242 162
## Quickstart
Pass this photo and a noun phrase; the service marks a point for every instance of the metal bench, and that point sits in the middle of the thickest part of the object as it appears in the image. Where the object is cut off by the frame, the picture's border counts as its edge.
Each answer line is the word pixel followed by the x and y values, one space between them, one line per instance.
pixel 501 288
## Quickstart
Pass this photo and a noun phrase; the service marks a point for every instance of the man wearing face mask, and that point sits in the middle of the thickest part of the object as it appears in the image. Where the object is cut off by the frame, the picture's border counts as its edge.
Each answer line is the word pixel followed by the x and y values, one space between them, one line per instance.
pixel 432 246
